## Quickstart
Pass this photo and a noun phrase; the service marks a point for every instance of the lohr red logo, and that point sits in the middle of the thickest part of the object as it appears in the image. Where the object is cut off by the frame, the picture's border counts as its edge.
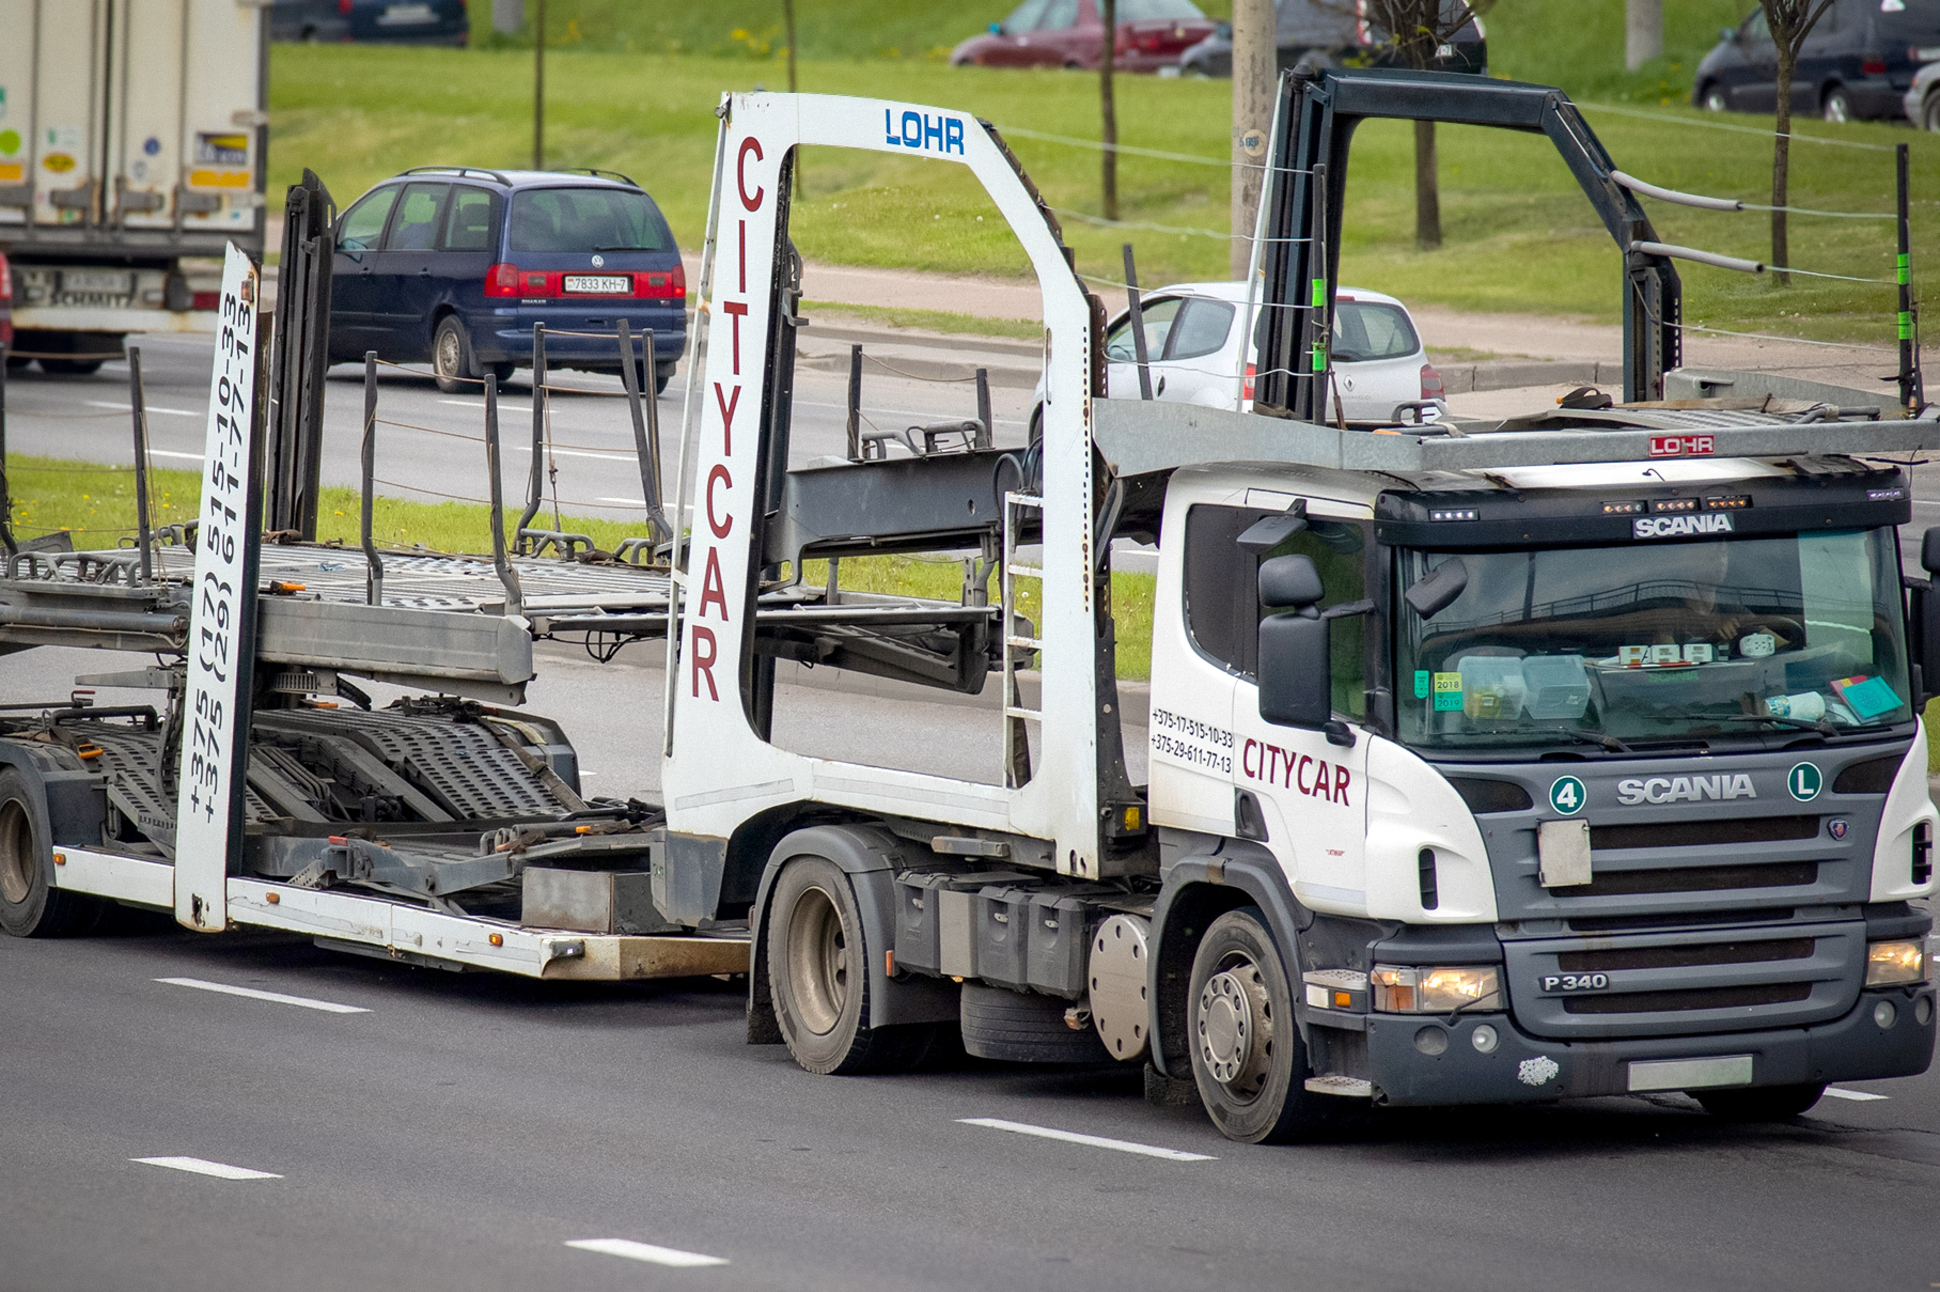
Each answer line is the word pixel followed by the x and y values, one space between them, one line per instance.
pixel 1682 446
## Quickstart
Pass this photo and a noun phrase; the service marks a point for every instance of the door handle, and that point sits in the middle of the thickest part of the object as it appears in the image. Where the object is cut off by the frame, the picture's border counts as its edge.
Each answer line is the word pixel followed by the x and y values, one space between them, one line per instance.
pixel 424 273
pixel 1160 388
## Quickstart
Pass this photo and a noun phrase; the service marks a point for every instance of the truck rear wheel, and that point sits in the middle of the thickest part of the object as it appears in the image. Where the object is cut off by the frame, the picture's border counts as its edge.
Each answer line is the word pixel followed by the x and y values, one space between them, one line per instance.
pixel 30 905
pixel 1247 1056
pixel 818 972
pixel 1760 1103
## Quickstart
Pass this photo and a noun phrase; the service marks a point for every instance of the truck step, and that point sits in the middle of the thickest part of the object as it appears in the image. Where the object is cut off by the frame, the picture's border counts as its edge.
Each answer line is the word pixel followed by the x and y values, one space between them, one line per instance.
pixel 1334 1084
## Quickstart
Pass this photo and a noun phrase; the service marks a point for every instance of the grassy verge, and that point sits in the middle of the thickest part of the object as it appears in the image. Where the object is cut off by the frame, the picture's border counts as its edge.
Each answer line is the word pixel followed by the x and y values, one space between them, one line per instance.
pixel 1519 234
pixel 924 320
pixel 97 504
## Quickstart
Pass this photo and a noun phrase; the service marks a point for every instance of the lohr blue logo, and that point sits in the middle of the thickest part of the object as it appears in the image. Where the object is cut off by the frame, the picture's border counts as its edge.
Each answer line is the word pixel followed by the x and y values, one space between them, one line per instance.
pixel 940 135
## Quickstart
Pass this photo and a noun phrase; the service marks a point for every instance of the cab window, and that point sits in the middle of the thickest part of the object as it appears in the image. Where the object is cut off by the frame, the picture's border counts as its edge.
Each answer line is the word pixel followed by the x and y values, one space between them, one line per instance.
pixel 1223 609
pixel 416 225
pixel 363 224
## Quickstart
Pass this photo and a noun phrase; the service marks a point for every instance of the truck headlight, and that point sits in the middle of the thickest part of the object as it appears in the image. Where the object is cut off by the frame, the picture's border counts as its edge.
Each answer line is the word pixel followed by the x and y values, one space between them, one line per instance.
pixel 1406 989
pixel 1888 963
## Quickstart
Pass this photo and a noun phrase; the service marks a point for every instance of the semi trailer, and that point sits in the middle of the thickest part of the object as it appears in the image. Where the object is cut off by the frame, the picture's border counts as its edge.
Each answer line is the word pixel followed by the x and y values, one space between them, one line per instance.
pixel 1564 755
pixel 133 136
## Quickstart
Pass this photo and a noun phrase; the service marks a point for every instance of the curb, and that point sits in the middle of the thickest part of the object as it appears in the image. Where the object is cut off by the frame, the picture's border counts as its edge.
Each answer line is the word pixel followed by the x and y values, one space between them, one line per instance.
pixel 1510 374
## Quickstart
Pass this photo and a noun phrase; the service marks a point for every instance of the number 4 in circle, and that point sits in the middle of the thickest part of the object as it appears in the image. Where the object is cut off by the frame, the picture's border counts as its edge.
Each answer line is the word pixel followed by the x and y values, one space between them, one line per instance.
pixel 1566 795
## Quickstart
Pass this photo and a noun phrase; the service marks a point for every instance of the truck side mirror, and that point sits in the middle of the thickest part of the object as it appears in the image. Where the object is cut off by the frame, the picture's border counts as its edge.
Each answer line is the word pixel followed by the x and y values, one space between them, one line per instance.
pixel 1296 667
pixel 1431 595
pixel 1930 550
pixel 1923 622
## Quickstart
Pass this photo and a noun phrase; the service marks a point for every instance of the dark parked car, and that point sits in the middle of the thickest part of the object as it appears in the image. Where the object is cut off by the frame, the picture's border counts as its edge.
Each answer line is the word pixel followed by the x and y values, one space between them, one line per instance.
pixel 1922 98
pixel 1326 33
pixel 415 22
pixel 1858 62
pixel 454 265
pixel 1071 33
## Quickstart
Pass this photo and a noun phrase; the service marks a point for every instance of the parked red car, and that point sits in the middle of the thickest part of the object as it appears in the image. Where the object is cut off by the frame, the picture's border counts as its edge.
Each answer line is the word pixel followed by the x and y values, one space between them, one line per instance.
pixel 1070 33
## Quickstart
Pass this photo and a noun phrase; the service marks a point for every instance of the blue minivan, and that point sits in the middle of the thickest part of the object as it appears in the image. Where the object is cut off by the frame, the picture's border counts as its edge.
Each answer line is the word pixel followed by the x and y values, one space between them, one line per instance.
pixel 454 264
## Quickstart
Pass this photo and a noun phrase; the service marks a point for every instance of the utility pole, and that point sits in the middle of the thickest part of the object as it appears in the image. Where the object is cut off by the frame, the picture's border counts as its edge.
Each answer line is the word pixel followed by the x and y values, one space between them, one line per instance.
pixel 539 89
pixel 1254 46
pixel 1643 32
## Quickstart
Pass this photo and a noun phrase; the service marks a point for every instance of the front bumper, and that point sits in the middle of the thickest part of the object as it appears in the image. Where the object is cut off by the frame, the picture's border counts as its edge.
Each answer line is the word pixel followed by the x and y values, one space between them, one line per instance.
pixel 1527 1069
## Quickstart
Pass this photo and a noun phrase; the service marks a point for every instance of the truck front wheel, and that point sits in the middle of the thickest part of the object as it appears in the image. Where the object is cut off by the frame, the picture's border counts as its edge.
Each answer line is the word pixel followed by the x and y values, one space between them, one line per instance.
pixel 818 972
pixel 30 905
pixel 1247 1056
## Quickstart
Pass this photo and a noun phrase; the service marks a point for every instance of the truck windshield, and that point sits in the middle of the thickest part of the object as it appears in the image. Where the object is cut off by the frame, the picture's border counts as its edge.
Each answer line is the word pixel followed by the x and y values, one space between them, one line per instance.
pixel 1653 644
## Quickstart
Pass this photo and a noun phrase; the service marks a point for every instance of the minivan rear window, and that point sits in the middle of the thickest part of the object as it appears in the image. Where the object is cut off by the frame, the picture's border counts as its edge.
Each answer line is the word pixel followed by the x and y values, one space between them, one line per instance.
pixel 587 219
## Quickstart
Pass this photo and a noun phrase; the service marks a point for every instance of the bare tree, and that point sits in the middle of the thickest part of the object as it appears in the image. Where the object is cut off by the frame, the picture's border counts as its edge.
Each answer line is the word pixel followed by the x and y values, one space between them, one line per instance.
pixel 1108 107
pixel 1791 21
pixel 788 25
pixel 1411 33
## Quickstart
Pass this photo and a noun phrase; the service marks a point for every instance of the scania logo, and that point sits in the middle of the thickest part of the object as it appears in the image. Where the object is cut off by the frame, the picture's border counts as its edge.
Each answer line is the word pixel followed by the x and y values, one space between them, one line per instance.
pixel 1684 789
pixel 1717 522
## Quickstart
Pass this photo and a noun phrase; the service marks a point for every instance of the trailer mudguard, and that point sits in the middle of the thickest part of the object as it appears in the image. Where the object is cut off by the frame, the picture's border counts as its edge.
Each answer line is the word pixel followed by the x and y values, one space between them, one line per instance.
pixel 72 801
pixel 870 856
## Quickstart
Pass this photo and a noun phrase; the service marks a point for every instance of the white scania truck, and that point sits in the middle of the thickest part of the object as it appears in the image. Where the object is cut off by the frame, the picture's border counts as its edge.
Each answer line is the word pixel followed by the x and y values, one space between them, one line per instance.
pixel 1575 754
pixel 132 142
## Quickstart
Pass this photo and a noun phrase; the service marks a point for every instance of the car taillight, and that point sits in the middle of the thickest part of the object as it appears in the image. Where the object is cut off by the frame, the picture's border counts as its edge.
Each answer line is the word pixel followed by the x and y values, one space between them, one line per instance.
pixel 659 285
pixel 1247 390
pixel 205 300
pixel 680 282
pixel 1431 382
pixel 502 280
pixel 1874 66
pixel 343 7
pixel 6 279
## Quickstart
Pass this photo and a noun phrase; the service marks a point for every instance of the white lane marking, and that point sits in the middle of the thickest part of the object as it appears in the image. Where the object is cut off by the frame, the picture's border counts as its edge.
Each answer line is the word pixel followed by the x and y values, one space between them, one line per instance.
pixel 275 997
pixel 631 502
pixel 633 1251
pixel 1095 1141
pixel 171 453
pixel 172 412
pixel 1857 1096
pixel 199 1166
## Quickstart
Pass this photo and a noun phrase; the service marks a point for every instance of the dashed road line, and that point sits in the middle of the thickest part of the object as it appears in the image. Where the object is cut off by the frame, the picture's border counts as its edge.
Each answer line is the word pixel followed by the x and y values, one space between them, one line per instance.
pixel 1093 1141
pixel 632 1251
pixel 274 997
pixel 171 453
pixel 123 407
pixel 1857 1096
pixel 201 1166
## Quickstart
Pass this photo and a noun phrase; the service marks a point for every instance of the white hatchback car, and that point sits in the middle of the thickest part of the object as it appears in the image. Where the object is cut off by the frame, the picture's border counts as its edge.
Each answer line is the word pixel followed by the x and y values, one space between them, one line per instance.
pixel 1192 343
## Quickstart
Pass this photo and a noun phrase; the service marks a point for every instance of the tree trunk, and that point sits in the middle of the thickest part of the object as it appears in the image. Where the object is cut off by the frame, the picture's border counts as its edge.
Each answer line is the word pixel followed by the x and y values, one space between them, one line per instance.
pixel 1643 32
pixel 1428 202
pixel 788 22
pixel 1781 165
pixel 1254 79
pixel 1107 108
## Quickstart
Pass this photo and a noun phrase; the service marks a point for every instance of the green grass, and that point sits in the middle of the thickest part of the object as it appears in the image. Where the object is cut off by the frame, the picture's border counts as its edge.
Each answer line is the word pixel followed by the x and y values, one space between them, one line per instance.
pixel 97 504
pixel 923 320
pixel 1520 236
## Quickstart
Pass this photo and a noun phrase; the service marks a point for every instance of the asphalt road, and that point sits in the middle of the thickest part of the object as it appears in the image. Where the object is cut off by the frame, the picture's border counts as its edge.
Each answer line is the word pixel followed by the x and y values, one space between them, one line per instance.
pixel 466 1131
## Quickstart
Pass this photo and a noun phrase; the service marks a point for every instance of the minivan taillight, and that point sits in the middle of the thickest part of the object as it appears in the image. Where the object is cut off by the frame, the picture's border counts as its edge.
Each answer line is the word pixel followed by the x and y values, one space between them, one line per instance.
pixel 502 280
pixel 343 7
pixel 659 285
pixel 1873 66
pixel 1431 382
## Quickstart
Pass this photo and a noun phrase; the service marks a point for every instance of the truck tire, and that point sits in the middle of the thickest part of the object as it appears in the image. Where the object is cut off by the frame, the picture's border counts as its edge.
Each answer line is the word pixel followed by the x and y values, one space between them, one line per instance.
pixel 30 905
pixel 70 367
pixel 1761 1103
pixel 818 972
pixel 1019 1028
pixel 1247 1056
pixel 451 357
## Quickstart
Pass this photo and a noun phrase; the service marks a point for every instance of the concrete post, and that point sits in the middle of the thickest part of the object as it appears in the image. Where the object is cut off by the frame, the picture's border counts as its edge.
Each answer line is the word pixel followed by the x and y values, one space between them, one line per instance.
pixel 508 16
pixel 1643 32
pixel 1254 76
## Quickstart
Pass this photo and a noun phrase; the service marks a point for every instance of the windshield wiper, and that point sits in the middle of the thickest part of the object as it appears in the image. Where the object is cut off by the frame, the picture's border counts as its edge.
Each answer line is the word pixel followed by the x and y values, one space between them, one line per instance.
pixel 1821 726
pixel 1596 738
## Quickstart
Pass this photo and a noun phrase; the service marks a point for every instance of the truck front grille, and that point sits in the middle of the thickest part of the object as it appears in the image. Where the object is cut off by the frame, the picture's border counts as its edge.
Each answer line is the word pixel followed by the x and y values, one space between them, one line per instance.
pixel 1695 879
pixel 1704 834
pixel 1671 1002
pixel 1606 959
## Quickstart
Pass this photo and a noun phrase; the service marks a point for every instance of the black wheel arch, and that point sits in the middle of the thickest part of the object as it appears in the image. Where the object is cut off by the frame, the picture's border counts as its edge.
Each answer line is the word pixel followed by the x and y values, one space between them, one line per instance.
pixel 66 802
pixel 870 855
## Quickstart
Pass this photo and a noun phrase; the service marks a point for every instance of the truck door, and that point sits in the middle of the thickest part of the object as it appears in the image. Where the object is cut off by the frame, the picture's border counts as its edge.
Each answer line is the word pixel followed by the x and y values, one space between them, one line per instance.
pixel 144 128
pixel 69 76
pixel 1311 792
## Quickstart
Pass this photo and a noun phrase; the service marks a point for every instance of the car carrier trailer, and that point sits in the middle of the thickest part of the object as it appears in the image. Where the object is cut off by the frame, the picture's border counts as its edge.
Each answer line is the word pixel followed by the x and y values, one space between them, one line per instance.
pixel 1575 754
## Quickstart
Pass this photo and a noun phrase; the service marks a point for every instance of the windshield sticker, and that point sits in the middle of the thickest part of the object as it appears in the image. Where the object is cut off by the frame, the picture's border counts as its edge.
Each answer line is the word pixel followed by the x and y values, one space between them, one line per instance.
pixel 1448 692
pixel 1869 697
pixel 1680 526
pixel 1684 789
pixel 1422 677
pixel 1757 645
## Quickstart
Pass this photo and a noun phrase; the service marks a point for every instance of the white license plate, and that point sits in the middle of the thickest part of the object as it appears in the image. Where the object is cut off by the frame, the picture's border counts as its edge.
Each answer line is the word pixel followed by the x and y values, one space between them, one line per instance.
pixel 1690 1074
pixel 600 284
pixel 398 15
pixel 106 282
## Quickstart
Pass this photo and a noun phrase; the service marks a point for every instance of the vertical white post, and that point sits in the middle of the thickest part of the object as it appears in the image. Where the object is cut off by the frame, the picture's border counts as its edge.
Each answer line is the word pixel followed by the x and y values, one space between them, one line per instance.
pixel 222 614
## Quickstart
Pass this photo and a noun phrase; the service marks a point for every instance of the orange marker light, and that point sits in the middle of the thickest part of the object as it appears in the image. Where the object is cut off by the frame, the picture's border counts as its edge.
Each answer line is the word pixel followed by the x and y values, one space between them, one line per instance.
pixel 498 939
pixel 60 859
pixel 275 898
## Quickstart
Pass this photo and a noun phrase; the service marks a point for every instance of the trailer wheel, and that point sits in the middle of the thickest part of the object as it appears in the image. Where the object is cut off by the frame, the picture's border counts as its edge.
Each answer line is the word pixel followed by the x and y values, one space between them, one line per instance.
pixel 30 905
pixel 1761 1103
pixel 1247 1056
pixel 818 971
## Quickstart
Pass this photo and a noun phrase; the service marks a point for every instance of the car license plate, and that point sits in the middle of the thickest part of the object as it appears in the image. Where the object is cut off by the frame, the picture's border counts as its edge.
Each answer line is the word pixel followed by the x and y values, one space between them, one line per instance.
pixel 102 282
pixel 1574 982
pixel 600 284
pixel 399 15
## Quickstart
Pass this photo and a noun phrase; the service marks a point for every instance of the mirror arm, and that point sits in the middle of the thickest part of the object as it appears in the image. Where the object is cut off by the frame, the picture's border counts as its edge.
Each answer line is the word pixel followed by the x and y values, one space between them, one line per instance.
pixel 1348 610
pixel 1338 733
